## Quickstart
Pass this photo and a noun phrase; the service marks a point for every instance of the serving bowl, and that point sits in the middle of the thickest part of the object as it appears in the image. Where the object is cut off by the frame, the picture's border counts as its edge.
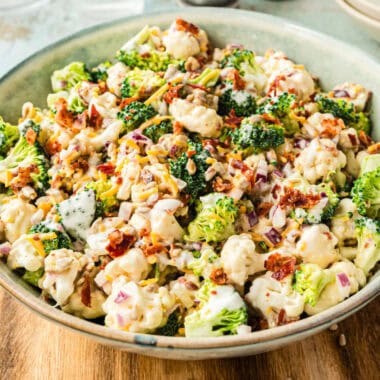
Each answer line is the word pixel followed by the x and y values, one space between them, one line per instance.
pixel 321 54
pixel 370 8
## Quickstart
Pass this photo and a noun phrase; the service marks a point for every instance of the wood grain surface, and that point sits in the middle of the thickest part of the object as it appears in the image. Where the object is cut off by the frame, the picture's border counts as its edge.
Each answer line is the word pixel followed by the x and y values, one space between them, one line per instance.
pixel 34 349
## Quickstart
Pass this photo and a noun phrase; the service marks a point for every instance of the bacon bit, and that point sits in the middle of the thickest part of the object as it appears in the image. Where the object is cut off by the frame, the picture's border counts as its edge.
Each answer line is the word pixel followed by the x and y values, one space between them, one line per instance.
pixel 107 168
pixel 218 276
pixel 221 185
pixel 191 153
pixel 270 118
pixel 80 163
pixel 331 127
pixel 143 232
pixel 295 199
pixel 263 208
pixel 281 266
pixel 153 249
pixel 119 180
pixel 177 128
pixel 95 119
pixel 53 147
pixel 288 157
pixel 237 80
pixel 119 242
pixel 245 169
pixel 353 139
pixel 127 101
pixel 198 86
pixel 281 317
pixel 23 177
pixel 214 292
pixel 275 84
pixel 374 148
pixel 80 122
pixel 365 139
pixel 85 294
pixel 104 261
pixel 174 92
pixel 63 116
pixel 232 120
pixel 328 235
pixel 186 26
pixel 30 136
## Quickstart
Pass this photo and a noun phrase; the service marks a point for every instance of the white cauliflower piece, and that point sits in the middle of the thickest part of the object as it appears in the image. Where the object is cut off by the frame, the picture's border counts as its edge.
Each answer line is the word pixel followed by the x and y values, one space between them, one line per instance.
pixel 349 140
pixel 185 289
pixel 16 216
pixel 319 159
pixel 23 254
pixel 130 174
pixel 135 308
pixel 116 76
pixel 105 104
pixel 317 245
pixel 354 93
pixel 61 270
pixel 348 279
pixel 270 296
pixel 199 119
pixel 323 125
pixel 239 259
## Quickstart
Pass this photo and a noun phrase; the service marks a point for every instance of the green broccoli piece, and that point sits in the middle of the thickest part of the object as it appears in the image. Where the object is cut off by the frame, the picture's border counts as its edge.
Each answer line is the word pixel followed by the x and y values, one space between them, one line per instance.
pixel 33 277
pixel 9 134
pixel 366 194
pixel 172 325
pixel 215 219
pixel 281 108
pixel 155 131
pixel 134 114
pixel 208 78
pixel 105 203
pixel 75 103
pixel 369 163
pixel 196 183
pixel 310 280
pixel 140 83
pixel 255 137
pixel 69 76
pixel 368 234
pixel 150 58
pixel 61 240
pixel 344 110
pixel 221 311
pixel 206 258
pixel 99 73
pixel 242 102
pixel 317 214
pixel 244 61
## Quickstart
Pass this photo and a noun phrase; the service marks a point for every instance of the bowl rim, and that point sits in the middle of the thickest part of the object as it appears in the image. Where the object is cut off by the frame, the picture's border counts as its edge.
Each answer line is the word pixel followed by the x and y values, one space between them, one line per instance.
pixel 366 7
pixel 358 14
pixel 303 327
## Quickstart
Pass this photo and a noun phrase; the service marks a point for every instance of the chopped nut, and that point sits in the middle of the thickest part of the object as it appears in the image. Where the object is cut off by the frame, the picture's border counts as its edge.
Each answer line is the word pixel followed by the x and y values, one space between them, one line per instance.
pixel 191 167
pixel 191 64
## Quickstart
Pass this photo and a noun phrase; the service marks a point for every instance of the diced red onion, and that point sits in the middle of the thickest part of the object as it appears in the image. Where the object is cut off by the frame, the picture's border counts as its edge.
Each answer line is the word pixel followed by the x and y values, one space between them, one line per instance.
pixel 121 321
pixel 139 137
pixel 278 173
pixel 197 245
pixel 121 297
pixel 262 171
pixel 323 194
pixel 252 218
pixel 273 236
pixel 235 46
pixel 341 94
pixel 343 279
pixel 5 248
pixel 301 143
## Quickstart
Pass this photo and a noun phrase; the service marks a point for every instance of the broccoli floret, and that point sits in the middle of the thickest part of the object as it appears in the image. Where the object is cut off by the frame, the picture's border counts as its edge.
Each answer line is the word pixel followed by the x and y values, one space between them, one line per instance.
pixel 33 277
pixel 196 182
pixel 9 134
pixel 242 102
pixel 140 83
pixel 310 280
pixel 366 194
pixel 29 124
pixel 317 214
pixel 215 219
pixel 69 76
pixel 282 108
pixel 134 114
pixel 206 258
pixel 208 78
pixel 75 103
pixel 150 58
pixel 369 163
pixel 61 239
pixel 106 201
pixel 344 110
pixel 25 155
pixel 244 61
pixel 172 325
pixel 368 234
pixel 99 73
pixel 155 131
pixel 255 137
pixel 221 311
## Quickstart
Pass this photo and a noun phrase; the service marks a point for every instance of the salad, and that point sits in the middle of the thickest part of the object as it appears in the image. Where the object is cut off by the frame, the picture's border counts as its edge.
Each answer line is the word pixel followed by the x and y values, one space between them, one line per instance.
pixel 187 190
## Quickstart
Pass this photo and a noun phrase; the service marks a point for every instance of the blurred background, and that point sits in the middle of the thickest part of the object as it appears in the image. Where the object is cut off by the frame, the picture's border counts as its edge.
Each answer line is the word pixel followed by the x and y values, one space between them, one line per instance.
pixel 28 25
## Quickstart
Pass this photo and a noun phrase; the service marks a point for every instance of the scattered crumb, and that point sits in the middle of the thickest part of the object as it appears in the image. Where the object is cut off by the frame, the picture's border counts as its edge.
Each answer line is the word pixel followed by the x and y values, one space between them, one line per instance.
pixel 342 340
pixel 333 327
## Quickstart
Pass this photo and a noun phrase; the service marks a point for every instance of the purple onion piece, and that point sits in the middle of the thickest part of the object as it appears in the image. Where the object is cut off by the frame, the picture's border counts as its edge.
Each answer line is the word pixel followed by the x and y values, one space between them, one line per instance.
pixel 278 173
pixel 121 297
pixel 323 194
pixel 5 248
pixel 273 236
pixel 252 218
pixel 301 143
pixel 343 279
pixel 261 177
pixel 139 137
pixel 341 94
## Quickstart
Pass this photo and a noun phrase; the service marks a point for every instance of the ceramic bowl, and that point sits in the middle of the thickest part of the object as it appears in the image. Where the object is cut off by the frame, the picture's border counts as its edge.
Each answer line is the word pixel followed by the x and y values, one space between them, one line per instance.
pixel 370 8
pixel 369 24
pixel 333 61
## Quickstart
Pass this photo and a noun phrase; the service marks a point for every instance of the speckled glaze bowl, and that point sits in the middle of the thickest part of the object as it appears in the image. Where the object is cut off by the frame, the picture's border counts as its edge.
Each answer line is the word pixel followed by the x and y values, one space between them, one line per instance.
pixel 333 61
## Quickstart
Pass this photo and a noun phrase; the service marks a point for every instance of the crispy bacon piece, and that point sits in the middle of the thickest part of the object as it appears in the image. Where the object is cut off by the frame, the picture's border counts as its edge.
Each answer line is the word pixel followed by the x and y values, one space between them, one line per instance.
pixel 63 116
pixel 220 185
pixel 30 136
pixel 238 82
pixel 331 127
pixel 177 128
pixel 173 93
pixel 53 147
pixel 245 169
pixel 365 139
pixel 153 249
pixel 281 266
pixel 127 101
pixel 374 148
pixel 119 242
pixel 23 177
pixel 80 163
pixel 232 120
pixel 95 120
pixel 85 293
pixel 107 168
pixel 295 199
pixel 218 276
pixel 186 26
pixel 275 84
pixel 263 208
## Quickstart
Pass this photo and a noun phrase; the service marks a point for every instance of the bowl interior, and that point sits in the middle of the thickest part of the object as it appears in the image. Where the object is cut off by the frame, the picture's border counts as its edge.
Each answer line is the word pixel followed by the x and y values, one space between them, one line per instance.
pixel 333 62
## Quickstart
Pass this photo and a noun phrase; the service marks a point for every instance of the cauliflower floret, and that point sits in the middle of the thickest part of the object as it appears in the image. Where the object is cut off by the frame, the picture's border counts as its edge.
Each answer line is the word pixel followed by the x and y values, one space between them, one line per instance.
pixel 24 254
pixel 239 259
pixel 130 174
pixel 163 221
pixel 323 125
pixel 16 216
pixel 348 279
pixel 61 270
pixel 135 308
pixel 354 93
pixel 349 140
pixel 133 265
pixel 317 245
pixel 116 76
pixel 270 296
pixel 319 159
pixel 274 61
pixel 185 289
pixel 199 119
pixel 105 105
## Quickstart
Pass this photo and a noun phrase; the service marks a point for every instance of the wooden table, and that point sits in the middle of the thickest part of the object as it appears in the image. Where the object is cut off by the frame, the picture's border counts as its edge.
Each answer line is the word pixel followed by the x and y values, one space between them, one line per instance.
pixel 32 348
